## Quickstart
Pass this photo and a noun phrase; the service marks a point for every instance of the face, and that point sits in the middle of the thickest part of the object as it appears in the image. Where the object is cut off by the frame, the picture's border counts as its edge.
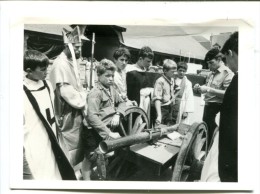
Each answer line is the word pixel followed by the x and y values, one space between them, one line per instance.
pixel 39 73
pixel 107 78
pixel 214 64
pixel 171 73
pixel 181 72
pixel 121 62
pixel 232 61
pixel 77 50
pixel 146 62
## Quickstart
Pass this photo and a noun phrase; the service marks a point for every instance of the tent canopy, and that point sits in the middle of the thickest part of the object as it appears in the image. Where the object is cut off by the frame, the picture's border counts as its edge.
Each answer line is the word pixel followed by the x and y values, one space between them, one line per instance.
pixel 164 39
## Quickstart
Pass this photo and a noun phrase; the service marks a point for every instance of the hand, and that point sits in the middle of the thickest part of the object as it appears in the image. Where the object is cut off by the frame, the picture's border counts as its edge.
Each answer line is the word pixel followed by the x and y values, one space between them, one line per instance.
pixel 184 115
pixel 115 121
pixel 158 120
pixel 203 89
pixel 196 87
pixel 114 135
pixel 134 103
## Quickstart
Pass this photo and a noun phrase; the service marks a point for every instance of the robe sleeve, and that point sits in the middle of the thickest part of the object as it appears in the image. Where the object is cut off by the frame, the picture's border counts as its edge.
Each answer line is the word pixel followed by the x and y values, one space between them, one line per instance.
pixel 73 97
pixel 189 98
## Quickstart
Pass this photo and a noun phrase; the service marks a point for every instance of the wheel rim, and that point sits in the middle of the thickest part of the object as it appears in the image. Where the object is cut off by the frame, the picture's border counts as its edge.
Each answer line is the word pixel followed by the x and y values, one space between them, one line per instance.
pixel 193 151
pixel 134 121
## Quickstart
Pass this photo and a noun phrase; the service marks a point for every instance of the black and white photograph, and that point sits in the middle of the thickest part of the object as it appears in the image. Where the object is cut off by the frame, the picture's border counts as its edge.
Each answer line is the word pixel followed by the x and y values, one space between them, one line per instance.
pixel 149 104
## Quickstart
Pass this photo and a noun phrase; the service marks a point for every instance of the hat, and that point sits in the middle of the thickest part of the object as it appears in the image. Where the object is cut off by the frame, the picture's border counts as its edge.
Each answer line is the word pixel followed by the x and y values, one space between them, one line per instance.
pixel 73 36
pixel 213 53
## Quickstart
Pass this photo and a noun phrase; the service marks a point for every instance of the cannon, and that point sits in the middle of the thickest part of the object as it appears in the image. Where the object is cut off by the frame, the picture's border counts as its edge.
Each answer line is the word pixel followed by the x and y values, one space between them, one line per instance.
pixel 186 162
pixel 148 135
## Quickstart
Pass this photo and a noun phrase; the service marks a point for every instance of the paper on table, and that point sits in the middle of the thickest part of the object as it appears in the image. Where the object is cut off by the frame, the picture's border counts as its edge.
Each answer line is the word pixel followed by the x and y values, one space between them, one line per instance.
pixel 174 135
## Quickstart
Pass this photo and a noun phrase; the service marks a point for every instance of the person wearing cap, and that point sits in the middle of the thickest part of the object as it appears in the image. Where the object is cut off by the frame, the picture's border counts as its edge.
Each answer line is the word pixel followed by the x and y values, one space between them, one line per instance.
pixel 70 98
pixel 184 100
pixel 216 84
pixel 221 163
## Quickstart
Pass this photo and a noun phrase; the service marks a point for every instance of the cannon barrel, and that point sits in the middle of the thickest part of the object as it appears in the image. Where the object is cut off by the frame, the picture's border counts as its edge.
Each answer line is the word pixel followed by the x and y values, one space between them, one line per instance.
pixel 110 145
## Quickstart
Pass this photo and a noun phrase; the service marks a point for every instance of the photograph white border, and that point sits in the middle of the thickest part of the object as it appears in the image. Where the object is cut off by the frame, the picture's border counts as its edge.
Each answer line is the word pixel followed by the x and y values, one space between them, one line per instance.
pixel 242 14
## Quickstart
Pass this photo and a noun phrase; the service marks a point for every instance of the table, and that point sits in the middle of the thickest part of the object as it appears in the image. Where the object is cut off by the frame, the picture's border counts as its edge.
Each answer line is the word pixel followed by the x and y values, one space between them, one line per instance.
pixel 156 156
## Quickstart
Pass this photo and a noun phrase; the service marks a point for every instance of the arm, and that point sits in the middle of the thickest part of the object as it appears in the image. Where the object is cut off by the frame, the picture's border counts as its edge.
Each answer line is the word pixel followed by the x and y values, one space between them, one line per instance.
pixel 94 103
pixel 219 92
pixel 73 97
pixel 157 97
pixel 158 111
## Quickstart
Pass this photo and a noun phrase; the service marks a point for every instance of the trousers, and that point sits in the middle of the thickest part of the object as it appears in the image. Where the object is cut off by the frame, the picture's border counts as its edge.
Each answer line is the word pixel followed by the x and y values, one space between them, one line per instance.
pixel 209 117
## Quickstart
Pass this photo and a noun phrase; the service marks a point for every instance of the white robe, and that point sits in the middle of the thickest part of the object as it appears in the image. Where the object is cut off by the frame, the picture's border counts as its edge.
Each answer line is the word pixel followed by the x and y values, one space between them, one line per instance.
pixel 187 102
pixel 37 145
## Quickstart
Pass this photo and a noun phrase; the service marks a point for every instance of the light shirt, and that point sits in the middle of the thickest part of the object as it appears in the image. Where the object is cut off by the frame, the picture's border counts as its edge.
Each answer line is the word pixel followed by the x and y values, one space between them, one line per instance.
pixel 120 82
pixel 220 79
pixel 163 90
pixel 134 67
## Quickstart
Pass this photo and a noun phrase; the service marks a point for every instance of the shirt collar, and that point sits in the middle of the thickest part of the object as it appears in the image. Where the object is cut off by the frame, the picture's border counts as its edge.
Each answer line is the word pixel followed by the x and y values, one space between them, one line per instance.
pixel 169 81
pixel 100 86
pixel 221 68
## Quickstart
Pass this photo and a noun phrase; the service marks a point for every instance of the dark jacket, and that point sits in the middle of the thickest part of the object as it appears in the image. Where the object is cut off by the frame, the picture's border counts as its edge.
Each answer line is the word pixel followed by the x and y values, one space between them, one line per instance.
pixel 228 134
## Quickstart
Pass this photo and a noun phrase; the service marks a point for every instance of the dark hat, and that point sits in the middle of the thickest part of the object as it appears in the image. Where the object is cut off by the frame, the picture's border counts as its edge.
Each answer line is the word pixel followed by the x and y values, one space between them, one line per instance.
pixel 212 53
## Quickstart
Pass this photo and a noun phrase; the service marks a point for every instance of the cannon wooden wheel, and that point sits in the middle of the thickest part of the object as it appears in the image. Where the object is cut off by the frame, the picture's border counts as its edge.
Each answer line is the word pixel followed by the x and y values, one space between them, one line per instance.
pixel 192 153
pixel 134 121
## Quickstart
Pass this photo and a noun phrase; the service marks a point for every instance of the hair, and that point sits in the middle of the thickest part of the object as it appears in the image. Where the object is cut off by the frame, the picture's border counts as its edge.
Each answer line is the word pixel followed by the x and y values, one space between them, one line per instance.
pixel 168 64
pixel 105 65
pixel 231 44
pixel 213 53
pixel 122 51
pixel 182 65
pixel 146 52
pixel 33 59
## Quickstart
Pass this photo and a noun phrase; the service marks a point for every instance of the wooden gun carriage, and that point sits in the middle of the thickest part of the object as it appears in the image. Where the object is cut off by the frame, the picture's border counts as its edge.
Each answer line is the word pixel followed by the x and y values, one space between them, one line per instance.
pixel 143 146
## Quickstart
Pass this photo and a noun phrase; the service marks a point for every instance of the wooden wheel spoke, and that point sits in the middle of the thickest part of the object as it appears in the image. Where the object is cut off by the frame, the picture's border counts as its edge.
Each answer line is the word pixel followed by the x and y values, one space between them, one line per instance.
pixel 122 129
pixel 120 167
pixel 130 123
pixel 134 121
pixel 114 163
pixel 141 128
pixel 193 149
pixel 137 124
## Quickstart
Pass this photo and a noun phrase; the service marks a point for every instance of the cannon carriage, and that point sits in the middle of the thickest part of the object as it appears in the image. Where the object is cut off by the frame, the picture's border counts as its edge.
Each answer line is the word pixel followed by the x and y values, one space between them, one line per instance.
pixel 143 146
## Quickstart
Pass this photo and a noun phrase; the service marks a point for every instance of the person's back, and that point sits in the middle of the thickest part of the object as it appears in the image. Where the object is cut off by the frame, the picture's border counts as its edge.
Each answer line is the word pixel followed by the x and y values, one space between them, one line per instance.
pixel 228 127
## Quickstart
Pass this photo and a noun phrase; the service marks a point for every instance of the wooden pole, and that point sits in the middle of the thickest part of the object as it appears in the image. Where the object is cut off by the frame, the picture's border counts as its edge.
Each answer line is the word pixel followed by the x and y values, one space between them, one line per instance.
pixel 91 62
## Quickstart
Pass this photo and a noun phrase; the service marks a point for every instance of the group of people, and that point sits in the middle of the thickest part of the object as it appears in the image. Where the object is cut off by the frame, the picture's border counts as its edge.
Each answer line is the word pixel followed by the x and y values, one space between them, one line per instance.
pixel 63 124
